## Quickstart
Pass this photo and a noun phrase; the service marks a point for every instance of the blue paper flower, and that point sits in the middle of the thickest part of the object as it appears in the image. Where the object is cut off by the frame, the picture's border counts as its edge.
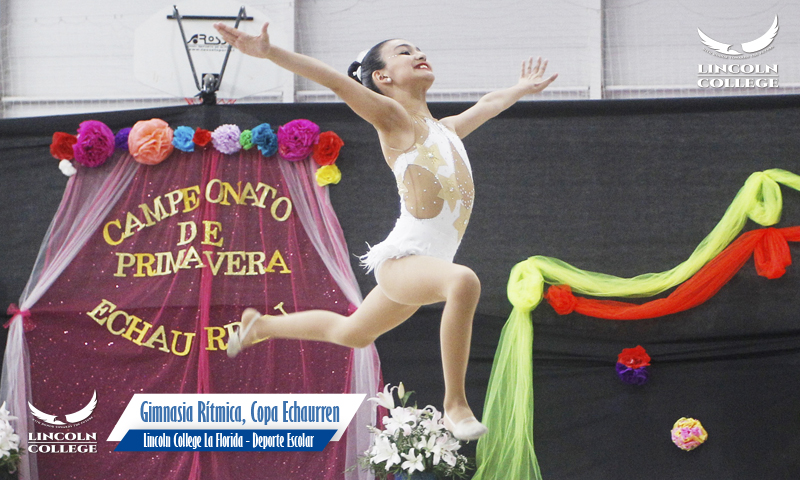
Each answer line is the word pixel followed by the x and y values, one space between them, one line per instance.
pixel 182 139
pixel 265 139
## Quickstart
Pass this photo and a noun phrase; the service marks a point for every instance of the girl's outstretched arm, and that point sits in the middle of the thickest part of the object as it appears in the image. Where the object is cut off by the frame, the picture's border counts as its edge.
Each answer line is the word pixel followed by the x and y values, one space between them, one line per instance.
pixel 490 105
pixel 383 112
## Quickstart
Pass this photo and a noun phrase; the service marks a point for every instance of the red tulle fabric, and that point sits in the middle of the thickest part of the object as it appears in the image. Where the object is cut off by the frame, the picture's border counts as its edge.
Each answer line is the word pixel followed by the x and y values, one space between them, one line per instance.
pixel 768 246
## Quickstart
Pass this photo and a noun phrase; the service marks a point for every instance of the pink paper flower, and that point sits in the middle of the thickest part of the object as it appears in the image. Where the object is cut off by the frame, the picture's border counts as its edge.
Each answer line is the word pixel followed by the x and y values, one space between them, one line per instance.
pixel 95 143
pixel 150 141
pixel 296 139
pixel 688 434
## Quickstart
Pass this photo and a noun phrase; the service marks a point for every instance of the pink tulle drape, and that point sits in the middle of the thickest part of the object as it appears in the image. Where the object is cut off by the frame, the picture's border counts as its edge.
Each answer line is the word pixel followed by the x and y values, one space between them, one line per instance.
pixel 114 314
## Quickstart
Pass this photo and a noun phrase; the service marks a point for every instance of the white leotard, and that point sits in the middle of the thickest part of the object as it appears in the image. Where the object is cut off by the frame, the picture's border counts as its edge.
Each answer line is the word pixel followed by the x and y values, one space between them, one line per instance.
pixel 434 180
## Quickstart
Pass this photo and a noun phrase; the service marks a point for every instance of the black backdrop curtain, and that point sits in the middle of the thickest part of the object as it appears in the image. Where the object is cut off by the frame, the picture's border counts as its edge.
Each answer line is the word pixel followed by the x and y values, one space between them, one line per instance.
pixel 620 187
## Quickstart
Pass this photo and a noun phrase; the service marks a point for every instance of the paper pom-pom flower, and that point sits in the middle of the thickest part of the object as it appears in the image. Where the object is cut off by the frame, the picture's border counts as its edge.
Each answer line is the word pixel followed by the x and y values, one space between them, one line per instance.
pixel 296 139
pixel 150 141
pixel 67 168
pixel 326 150
pixel 632 365
pixel 328 174
pixel 183 139
pixel 561 299
pixel 226 139
pixel 265 139
pixel 121 139
pixel 688 434
pixel 95 143
pixel 246 140
pixel 202 137
pixel 61 148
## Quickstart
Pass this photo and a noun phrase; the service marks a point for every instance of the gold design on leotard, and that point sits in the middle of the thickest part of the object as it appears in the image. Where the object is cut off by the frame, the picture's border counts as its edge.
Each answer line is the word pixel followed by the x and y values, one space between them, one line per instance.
pixel 461 222
pixel 463 179
pixel 424 189
pixel 450 191
pixel 429 157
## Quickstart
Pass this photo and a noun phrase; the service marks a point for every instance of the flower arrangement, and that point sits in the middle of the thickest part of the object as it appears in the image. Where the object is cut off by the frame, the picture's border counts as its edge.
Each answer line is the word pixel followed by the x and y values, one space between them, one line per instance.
pixel 688 434
pixel 632 365
pixel 10 451
pixel 150 142
pixel 413 440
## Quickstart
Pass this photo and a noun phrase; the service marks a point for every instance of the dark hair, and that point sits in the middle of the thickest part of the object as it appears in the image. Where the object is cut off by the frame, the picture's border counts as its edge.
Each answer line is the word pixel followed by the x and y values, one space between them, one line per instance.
pixel 372 61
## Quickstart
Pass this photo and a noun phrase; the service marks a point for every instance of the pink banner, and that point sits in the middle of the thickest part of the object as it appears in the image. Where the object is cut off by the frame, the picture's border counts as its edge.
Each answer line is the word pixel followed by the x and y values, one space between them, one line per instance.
pixel 148 304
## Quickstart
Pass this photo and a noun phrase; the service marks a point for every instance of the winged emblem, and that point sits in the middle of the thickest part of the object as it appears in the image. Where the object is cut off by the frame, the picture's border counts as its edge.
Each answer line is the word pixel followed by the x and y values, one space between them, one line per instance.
pixel 753 46
pixel 76 417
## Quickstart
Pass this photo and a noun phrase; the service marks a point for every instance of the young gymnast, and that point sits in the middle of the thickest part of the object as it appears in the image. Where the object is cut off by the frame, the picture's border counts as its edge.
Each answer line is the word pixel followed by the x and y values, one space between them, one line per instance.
pixel 414 265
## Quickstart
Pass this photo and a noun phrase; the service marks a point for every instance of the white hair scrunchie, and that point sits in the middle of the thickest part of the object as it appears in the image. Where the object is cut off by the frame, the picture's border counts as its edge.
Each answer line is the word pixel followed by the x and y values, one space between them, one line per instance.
pixel 359 59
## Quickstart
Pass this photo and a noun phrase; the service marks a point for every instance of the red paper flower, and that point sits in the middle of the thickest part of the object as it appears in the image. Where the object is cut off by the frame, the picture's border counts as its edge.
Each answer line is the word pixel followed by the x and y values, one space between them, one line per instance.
pixel 201 137
pixel 61 148
pixel 634 358
pixel 561 299
pixel 326 151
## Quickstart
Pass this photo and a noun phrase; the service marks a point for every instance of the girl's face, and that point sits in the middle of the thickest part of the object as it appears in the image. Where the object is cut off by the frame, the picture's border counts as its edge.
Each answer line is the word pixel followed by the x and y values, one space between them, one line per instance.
pixel 405 62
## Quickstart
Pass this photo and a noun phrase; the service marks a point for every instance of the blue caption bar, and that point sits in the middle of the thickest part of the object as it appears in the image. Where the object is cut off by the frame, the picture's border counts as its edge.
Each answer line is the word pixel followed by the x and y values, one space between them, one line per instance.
pixel 225 440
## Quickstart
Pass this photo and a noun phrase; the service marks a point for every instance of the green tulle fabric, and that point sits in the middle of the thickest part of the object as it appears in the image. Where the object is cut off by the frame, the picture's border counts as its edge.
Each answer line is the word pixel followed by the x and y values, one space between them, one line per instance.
pixel 506 451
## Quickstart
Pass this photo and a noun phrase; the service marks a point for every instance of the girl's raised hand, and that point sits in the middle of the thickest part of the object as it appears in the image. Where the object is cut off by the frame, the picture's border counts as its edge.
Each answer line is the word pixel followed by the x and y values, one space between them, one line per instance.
pixel 248 44
pixel 532 77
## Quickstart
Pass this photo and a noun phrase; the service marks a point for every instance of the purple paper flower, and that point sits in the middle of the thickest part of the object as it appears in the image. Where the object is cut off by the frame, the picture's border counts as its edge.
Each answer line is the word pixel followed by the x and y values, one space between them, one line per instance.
pixel 95 143
pixel 632 376
pixel 121 139
pixel 297 138
pixel 226 139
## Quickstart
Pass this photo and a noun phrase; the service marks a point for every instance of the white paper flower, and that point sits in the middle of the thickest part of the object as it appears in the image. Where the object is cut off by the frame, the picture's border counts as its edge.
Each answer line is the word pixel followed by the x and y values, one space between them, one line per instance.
pixel 67 168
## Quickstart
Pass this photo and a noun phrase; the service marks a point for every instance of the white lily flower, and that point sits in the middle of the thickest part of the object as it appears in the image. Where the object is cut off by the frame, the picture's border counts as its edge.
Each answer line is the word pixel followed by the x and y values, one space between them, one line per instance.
pixel 401 390
pixel 433 424
pixel 401 419
pixel 385 399
pixel 384 450
pixel 413 462
pixel 404 415
pixel 4 413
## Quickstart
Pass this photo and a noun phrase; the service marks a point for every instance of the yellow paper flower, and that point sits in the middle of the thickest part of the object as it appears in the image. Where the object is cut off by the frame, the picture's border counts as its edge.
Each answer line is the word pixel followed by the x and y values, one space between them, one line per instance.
pixel 328 174
pixel 688 433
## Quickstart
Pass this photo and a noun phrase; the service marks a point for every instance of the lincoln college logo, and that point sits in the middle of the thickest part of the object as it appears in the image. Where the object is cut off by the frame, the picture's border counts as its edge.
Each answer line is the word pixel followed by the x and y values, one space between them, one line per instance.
pixel 72 418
